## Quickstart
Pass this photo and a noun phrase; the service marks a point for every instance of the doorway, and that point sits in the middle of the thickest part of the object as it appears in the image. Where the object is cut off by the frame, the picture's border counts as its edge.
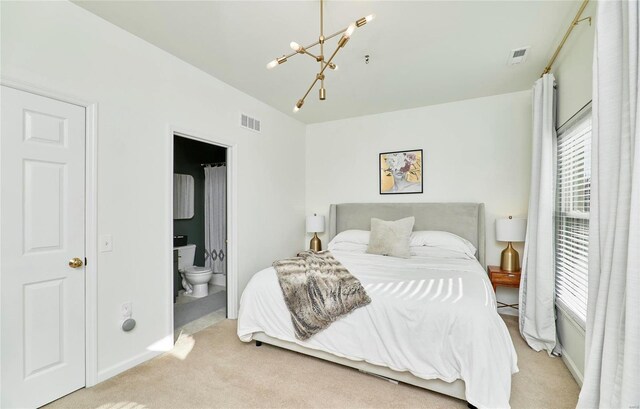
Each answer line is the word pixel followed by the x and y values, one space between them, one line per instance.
pixel 200 192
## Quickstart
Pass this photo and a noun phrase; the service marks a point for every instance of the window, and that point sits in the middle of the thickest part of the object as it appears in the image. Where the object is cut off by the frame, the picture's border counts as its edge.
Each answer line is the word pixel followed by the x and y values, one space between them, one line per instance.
pixel 573 195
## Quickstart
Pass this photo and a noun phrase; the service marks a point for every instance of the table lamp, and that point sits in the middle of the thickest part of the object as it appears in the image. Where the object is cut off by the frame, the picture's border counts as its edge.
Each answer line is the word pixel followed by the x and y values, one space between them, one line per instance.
pixel 315 225
pixel 510 230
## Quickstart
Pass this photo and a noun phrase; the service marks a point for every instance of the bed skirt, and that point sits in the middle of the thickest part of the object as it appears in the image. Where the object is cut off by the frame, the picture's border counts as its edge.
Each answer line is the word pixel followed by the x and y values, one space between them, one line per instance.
pixel 455 389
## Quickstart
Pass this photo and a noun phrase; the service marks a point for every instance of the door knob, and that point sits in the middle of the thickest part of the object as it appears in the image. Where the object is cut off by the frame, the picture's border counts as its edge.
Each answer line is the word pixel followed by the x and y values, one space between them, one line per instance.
pixel 75 262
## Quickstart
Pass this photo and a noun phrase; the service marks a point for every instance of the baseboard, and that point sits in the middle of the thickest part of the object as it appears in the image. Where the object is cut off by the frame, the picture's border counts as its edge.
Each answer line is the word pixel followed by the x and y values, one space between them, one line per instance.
pixel 577 375
pixel 118 368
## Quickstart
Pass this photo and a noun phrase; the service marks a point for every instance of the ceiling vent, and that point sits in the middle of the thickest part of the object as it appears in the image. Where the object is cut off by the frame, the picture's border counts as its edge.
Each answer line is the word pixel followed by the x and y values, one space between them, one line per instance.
pixel 250 123
pixel 518 56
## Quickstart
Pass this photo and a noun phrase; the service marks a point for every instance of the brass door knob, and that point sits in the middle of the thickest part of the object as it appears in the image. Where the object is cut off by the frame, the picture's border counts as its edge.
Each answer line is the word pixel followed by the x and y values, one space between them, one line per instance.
pixel 75 262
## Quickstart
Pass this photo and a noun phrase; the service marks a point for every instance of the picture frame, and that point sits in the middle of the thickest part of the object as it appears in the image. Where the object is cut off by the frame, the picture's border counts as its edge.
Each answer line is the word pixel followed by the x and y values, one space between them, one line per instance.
pixel 400 172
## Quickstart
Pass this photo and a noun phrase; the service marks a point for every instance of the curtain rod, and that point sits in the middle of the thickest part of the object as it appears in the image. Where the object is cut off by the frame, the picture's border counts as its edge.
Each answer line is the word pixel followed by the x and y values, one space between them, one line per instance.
pixel 575 22
pixel 214 164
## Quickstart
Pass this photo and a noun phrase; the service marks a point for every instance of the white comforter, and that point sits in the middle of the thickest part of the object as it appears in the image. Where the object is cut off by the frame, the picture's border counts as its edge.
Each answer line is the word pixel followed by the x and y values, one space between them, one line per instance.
pixel 433 317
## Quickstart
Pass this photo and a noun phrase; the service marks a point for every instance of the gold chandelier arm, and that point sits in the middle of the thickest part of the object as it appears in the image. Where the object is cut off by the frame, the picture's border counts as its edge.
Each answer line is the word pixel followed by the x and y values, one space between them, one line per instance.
pixel 320 73
pixel 318 42
pixel 321 18
pixel 337 33
pixel 328 63
pixel 310 88
pixel 315 57
pixel 321 39
pixel 318 58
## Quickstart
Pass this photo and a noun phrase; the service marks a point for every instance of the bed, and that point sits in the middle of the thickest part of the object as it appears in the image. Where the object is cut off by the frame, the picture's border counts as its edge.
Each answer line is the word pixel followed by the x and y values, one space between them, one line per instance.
pixel 432 321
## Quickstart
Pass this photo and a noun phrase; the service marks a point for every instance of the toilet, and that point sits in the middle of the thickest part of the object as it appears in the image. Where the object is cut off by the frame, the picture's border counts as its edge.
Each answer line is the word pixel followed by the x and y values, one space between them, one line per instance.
pixel 196 277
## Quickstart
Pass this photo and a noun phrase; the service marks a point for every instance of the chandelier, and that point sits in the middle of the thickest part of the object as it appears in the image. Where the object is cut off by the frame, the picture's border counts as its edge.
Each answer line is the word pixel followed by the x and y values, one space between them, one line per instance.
pixel 320 58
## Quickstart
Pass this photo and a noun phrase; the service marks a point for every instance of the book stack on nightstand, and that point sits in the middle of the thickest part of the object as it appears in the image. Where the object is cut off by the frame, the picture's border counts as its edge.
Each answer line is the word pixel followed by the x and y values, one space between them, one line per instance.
pixel 504 278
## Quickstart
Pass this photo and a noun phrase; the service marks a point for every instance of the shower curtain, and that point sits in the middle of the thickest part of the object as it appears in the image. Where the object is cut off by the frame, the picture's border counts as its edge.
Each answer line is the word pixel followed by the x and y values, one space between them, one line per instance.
pixel 215 217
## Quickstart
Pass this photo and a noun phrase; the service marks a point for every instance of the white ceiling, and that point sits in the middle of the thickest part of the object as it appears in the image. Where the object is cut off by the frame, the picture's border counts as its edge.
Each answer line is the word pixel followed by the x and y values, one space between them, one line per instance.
pixel 422 52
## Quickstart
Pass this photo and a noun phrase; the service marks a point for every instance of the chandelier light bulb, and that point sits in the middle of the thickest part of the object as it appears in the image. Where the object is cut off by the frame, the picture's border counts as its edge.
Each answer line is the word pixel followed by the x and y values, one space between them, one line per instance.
pixel 349 30
pixel 295 46
pixel 333 66
pixel 296 109
pixel 277 61
pixel 364 20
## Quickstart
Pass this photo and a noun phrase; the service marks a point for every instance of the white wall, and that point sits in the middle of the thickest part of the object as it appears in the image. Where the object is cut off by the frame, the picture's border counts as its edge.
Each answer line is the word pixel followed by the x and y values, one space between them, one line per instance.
pixel 573 68
pixel 140 91
pixel 476 150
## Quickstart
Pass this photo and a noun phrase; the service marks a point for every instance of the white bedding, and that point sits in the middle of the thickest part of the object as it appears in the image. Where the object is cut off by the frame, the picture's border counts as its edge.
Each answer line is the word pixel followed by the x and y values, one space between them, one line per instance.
pixel 432 316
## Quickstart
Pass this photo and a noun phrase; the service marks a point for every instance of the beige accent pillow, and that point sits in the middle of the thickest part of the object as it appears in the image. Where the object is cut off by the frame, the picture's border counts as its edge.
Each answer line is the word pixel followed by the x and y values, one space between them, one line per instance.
pixel 391 238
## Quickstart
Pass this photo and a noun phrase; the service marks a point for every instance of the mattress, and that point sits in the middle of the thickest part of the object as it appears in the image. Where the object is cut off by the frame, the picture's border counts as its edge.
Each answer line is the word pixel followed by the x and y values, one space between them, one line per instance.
pixel 435 317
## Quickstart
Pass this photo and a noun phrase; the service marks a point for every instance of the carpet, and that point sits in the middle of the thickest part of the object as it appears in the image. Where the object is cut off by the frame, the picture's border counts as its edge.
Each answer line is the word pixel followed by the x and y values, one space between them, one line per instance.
pixel 213 369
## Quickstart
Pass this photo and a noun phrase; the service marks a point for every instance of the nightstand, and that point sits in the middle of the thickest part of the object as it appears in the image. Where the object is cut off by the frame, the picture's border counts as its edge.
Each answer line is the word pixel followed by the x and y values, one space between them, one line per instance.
pixel 503 278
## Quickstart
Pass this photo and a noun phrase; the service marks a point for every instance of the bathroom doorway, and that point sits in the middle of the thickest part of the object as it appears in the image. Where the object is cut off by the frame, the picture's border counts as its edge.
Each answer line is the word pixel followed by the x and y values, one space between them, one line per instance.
pixel 199 234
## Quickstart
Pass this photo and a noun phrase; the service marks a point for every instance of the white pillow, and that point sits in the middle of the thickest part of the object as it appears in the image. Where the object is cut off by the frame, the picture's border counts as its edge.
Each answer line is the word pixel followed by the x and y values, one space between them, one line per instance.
pixel 348 247
pixel 442 239
pixel 352 236
pixel 437 252
pixel 391 238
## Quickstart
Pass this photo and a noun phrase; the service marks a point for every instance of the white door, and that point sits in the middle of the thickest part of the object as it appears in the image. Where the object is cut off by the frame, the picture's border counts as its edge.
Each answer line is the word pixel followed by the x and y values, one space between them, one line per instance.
pixel 42 214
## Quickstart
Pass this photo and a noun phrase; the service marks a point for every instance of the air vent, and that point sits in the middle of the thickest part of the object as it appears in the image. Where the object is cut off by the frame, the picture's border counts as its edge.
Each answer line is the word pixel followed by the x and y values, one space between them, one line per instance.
pixel 250 123
pixel 518 56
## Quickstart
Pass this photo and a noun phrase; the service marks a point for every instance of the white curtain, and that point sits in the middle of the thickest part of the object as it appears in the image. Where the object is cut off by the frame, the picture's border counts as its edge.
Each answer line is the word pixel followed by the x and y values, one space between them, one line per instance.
pixel 612 373
pixel 537 284
pixel 215 217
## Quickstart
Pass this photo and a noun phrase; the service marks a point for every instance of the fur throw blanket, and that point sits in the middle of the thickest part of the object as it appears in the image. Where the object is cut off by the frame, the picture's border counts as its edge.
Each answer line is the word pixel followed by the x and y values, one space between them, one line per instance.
pixel 318 290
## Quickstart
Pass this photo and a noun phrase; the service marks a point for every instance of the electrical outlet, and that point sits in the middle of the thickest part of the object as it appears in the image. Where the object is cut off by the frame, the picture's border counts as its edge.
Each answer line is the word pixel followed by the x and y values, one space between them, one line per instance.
pixel 127 310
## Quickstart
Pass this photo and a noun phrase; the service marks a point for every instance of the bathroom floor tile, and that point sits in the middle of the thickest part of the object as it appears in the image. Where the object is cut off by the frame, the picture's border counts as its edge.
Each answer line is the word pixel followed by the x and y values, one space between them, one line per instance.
pixel 184 298
pixel 201 323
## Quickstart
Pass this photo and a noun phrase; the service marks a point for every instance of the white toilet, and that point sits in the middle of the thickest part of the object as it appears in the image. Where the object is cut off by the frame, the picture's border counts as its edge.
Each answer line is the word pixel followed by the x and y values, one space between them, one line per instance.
pixel 196 277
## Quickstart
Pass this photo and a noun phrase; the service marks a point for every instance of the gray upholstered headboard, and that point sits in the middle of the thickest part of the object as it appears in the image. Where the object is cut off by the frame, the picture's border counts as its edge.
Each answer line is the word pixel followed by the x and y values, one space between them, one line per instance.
pixel 464 219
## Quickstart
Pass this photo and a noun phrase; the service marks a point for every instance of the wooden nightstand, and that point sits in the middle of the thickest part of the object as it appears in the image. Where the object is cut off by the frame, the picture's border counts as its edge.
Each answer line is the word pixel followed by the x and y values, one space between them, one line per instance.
pixel 506 279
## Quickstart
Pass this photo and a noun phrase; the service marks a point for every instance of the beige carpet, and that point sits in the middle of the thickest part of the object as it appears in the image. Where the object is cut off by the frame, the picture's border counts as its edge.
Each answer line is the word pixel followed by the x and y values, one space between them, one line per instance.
pixel 213 369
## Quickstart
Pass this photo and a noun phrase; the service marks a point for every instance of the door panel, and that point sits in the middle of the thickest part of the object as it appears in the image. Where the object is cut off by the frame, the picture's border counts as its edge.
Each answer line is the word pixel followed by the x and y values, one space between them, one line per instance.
pixel 42 156
pixel 42 127
pixel 43 332
pixel 44 186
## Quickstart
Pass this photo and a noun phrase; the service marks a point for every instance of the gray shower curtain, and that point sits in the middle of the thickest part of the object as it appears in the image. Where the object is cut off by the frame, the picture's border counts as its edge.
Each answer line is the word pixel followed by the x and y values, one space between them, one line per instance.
pixel 215 217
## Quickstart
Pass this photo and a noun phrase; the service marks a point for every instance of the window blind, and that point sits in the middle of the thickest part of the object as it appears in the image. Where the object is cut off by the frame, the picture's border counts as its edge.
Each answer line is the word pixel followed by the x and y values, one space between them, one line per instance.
pixel 573 196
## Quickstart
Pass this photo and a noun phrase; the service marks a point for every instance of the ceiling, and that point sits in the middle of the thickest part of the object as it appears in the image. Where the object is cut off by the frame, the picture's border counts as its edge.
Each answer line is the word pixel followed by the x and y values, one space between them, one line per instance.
pixel 421 52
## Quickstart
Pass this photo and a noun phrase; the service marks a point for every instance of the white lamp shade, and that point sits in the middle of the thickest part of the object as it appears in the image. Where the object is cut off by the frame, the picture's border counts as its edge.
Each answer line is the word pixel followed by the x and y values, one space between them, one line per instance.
pixel 511 229
pixel 315 224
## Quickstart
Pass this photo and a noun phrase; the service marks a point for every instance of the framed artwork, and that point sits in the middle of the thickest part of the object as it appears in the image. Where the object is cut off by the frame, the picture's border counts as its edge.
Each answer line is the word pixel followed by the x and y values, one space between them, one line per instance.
pixel 400 172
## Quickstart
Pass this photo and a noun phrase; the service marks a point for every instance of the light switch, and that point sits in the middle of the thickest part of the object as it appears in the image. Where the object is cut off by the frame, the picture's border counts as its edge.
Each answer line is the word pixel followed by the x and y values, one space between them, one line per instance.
pixel 106 243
